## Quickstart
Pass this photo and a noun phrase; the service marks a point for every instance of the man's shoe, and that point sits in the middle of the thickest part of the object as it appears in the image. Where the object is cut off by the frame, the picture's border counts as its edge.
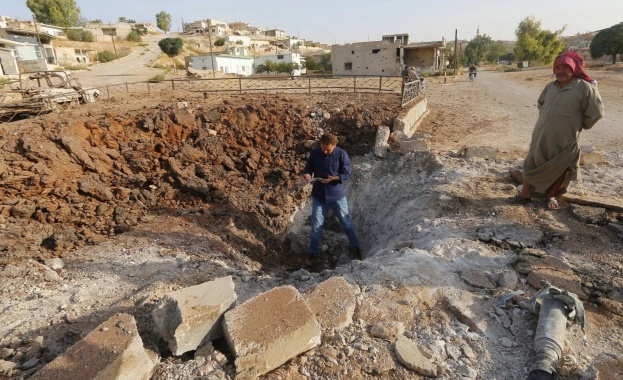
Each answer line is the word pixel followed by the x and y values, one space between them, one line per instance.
pixel 311 260
pixel 356 254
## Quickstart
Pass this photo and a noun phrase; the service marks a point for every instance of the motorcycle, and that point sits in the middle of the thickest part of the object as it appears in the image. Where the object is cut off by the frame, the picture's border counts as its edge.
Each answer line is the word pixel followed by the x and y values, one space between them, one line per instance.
pixel 472 75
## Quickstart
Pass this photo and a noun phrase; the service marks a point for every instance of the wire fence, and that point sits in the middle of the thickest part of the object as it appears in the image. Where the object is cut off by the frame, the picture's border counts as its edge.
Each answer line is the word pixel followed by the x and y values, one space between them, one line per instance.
pixel 303 84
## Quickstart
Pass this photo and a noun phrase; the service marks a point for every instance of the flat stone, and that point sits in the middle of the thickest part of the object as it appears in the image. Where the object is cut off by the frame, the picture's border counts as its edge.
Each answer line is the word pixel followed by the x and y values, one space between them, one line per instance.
pixel 590 215
pixel 268 330
pixel 508 280
pixel 592 158
pixel 381 141
pixel 477 279
pixel 188 317
pixel 6 367
pixel 333 303
pixel 114 350
pixel 55 263
pixel 525 264
pixel 413 145
pixel 571 283
pixel 606 366
pixel 466 371
pixel 410 356
pixel 486 152
pixel 389 331
pixel 615 307
pixel 464 306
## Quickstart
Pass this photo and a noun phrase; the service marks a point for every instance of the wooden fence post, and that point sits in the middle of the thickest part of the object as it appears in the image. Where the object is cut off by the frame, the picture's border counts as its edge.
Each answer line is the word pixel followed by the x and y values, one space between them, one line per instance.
pixel 240 85
pixel 309 83
pixel 172 84
pixel 380 84
pixel 108 92
pixel 148 88
pixel 355 83
pixel 127 90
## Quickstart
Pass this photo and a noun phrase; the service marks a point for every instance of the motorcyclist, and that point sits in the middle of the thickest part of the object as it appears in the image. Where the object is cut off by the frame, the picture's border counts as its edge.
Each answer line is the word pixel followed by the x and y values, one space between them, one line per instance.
pixel 473 70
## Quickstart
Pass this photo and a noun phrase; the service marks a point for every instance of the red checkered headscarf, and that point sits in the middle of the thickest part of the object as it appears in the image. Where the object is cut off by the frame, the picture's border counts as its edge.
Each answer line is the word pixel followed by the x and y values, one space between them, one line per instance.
pixel 576 62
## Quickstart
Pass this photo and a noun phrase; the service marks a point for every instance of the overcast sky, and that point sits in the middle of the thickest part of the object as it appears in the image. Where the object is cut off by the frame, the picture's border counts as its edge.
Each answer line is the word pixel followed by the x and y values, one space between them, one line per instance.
pixel 344 21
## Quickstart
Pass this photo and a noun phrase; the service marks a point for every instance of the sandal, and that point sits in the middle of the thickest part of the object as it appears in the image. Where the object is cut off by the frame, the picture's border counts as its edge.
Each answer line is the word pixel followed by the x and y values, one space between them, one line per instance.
pixel 552 204
pixel 517 200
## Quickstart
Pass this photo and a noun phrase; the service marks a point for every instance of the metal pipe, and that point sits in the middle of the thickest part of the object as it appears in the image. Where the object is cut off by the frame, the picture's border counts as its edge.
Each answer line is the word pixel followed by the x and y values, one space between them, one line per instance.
pixel 549 340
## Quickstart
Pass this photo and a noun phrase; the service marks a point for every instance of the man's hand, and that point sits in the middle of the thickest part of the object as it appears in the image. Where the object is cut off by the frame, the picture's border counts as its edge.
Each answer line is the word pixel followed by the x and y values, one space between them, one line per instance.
pixel 330 179
pixel 307 177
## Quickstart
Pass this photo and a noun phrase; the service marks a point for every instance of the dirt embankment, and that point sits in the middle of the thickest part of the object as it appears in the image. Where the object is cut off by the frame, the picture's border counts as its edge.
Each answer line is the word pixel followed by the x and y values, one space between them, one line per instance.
pixel 74 179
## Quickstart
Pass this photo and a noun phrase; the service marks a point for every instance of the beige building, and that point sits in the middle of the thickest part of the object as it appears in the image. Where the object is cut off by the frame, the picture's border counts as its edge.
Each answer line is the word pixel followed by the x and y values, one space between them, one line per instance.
pixel 366 58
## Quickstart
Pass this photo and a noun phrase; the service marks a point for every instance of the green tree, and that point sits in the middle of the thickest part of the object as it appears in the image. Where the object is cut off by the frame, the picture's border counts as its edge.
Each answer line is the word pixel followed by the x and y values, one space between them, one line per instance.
pixel 325 62
pixel 310 63
pixel 55 12
pixel 477 49
pixel 536 45
pixel 608 42
pixel 96 21
pixel 163 21
pixel 287 67
pixel 271 67
pixel 496 51
pixel 261 69
pixel 220 41
pixel 79 35
pixel 171 46
pixel 122 19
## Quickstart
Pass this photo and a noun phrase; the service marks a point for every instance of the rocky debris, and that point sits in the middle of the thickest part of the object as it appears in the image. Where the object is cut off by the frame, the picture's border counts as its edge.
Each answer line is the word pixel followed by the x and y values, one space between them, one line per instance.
pixel 333 303
pixel 552 270
pixel 466 309
pixel 414 144
pixel 593 200
pixel 606 366
pixel 266 331
pixel 516 174
pixel 478 279
pixel 409 354
pixel 55 263
pixel 615 307
pixel 389 331
pixel 114 350
pixel 592 158
pixel 510 236
pixel 486 152
pixel 590 215
pixel 190 316
pixel 508 280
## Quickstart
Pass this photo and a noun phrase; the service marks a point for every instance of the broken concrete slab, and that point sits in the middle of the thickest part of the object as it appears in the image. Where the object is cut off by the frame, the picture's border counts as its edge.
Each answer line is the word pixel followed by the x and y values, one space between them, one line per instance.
pixel 486 152
pixel 409 354
pixel 114 350
pixel 569 282
pixel 592 158
pixel 508 280
pixel 477 279
pixel 333 303
pixel 594 201
pixel 590 215
pixel 615 307
pixel 466 309
pixel 381 142
pixel 268 330
pixel 412 145
pixel 606 366
pixel 389 331
pixel 188 317
pixel 510 236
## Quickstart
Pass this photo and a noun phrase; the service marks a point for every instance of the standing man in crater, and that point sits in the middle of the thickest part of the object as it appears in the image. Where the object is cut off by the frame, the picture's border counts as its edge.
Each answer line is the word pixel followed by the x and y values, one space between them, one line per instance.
pixel 566 106
pixel 330 167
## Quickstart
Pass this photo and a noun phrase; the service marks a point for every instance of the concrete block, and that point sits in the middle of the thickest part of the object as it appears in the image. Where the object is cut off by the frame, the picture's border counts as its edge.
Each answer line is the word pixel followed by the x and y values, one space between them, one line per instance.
pixel 268 330
pixel 188 317
pixel 182 105
pixel 407 146
pixel 114 350
pixel 381 142
pixel 592 158
pixel 333 303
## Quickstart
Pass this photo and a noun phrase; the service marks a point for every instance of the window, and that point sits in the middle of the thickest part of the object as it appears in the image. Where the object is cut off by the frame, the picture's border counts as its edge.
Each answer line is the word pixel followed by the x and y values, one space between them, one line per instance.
pixel 279 56
pixel 375 51
pixel 348 66
pixel 244 69
pixel 352 52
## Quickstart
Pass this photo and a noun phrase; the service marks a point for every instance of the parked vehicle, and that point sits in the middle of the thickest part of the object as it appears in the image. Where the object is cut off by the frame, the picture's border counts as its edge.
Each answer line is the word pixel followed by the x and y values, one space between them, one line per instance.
pixel 42 92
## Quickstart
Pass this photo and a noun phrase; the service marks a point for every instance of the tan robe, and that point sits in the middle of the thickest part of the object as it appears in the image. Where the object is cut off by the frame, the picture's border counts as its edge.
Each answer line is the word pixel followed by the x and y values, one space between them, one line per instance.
pixel 554 148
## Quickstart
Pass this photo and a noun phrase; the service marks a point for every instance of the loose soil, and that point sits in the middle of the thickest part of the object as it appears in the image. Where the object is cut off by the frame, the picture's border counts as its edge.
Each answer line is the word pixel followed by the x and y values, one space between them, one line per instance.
pixel 144 195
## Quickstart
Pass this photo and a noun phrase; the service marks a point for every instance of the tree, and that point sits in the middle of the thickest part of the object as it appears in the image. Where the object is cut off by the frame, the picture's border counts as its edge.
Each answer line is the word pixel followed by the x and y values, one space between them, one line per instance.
pixel 55 12
pixel 536 45
pixel 163 21
pixel 79 35
pixel 608 42
pixel 496 51
pixel 134 36
pixel 310 63
pixel 325 62
pixel 122 19
pixel 477 49
pixel 171 46
pixel 96 21
pixel 105 56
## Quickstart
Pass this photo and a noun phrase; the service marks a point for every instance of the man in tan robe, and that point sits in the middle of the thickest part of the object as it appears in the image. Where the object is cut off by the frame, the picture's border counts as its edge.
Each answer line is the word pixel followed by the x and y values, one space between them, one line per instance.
pixel 566 106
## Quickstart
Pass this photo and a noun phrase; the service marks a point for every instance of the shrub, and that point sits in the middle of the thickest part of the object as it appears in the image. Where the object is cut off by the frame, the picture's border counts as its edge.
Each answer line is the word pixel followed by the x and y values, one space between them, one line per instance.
pixel 134 36
pixel 157 78
pixel 511 69
pixel 171 46
pixel 219 42
pixel 79 35
pixel 105 56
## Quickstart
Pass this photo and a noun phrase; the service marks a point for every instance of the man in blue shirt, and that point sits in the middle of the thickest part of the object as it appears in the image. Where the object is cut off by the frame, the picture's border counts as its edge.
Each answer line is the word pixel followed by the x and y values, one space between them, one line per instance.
pixel 330 167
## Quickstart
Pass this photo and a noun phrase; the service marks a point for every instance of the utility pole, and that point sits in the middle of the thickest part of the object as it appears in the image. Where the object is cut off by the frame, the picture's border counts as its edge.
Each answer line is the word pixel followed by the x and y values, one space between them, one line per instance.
pixel 112 38
pixel 183 29
pixel 456 52
pixel 41 49
pixel 211 53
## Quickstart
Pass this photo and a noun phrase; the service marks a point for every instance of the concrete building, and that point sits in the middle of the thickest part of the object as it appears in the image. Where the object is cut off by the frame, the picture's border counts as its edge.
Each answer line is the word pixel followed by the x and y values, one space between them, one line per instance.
pixel 290 42
pixel 102 32
pixel 366 58
pixel 32 51
pixel 275 33
pixel 281 57
pixel 386 57
pixel 238 40
pixel 227 64
pixel 70 55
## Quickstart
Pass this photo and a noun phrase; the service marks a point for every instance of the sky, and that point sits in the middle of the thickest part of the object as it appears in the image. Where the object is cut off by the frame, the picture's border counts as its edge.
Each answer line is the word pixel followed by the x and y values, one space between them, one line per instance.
pixel 346 21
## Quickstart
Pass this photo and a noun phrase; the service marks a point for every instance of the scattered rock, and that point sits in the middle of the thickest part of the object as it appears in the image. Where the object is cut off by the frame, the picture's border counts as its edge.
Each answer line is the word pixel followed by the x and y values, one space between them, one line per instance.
pixel 333 303
pixel 389 331
pixel 589 215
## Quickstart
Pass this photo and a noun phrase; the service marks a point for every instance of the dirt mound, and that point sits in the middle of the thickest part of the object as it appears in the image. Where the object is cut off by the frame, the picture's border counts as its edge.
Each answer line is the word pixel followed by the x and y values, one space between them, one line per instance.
pixel 74 179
